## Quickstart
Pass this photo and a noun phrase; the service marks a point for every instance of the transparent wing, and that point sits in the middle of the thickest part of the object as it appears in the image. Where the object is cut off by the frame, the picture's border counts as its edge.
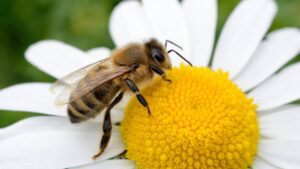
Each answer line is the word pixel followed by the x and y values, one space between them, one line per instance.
pixel 74 77
pixel 89 83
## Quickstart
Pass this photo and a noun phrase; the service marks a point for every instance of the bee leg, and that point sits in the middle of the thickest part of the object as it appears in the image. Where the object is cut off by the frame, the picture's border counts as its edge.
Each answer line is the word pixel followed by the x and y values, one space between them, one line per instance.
pixel 123 155
pixel 139 96
pixel 107 127
pixel 159 71
pixel 120 156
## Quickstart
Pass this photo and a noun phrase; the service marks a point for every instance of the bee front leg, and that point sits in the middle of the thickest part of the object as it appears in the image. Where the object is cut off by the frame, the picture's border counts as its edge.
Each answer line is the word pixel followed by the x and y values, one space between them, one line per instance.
pixel 107 126
pixel 139 96
pixel 159 71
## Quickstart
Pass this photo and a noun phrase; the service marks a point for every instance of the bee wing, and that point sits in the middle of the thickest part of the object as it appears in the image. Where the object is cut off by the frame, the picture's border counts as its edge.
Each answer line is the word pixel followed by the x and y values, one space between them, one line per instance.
pixel 74 77
pixel 97 80
pixel 92 81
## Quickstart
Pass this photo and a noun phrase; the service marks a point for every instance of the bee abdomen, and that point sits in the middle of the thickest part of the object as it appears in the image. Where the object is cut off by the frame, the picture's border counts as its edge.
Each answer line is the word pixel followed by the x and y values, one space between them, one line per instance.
pixel 91 105
pixel 78 111
pixel 75 115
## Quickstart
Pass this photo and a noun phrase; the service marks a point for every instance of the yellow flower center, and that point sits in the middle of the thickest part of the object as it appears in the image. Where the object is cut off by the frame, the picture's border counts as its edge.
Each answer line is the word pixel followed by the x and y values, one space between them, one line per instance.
pixel 200 120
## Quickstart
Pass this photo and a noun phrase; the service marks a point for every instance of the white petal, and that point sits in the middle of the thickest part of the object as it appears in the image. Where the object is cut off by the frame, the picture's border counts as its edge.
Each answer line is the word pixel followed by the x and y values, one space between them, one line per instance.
pixel 242 33
pixel 128 23
pixel 110 164
pixel 36 97
pixel 46 123
pixel 99 53
pixel 201 17
pixel 280 108
pixel 30 97
pixel 284 124
pixel 56 58
pixel 117 115
pixel 262 164
pixel 56 147
pixel 279 47
pixel 280 89
pixel 284 154
pixel 168 22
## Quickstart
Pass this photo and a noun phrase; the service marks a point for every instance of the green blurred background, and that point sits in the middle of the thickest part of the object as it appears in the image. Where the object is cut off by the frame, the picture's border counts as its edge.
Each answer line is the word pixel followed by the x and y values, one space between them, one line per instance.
pixel 82 23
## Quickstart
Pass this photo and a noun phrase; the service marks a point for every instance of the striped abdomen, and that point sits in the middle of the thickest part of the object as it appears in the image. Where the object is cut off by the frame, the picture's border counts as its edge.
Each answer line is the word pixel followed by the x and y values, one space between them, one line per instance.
pixel 90 105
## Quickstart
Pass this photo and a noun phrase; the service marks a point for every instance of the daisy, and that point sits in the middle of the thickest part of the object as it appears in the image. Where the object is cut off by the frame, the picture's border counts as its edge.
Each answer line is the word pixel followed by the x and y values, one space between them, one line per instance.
pixel 238 115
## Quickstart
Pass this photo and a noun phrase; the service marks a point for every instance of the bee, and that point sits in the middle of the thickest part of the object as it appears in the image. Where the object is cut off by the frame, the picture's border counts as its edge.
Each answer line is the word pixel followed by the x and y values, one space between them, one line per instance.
pixel 102 84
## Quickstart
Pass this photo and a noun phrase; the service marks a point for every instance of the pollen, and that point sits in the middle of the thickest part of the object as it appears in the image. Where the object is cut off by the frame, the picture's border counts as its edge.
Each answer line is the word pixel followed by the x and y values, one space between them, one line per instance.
pixel 199 120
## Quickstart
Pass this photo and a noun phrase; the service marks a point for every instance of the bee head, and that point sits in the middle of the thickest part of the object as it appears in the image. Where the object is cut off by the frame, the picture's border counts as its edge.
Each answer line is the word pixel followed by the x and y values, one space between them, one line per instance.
pixel 158 54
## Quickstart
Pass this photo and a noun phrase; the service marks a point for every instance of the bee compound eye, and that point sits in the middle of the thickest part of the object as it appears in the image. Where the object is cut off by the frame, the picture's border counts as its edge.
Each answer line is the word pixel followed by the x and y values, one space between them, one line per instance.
pixel 157 55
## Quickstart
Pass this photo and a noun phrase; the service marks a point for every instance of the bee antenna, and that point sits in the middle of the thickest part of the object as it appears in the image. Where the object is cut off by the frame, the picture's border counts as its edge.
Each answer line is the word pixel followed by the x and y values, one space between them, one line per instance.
pixel 172 50
pixel 173 43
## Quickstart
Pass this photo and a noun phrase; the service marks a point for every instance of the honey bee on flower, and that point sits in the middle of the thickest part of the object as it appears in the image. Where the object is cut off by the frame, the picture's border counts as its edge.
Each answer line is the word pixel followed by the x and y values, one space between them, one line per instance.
pixel 233 109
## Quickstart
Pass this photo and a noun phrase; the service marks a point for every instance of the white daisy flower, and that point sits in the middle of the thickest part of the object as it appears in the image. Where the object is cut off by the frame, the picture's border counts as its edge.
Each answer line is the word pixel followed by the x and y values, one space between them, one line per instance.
pixel 252 61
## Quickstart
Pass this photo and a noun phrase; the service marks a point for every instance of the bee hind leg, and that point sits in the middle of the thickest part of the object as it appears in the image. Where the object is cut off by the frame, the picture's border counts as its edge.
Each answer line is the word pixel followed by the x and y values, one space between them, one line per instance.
pixel 107 126
pixel 139 96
